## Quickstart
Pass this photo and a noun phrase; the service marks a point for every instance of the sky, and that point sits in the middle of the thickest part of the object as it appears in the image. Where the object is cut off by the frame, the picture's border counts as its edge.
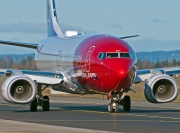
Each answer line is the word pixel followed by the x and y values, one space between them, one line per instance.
pixel 156 21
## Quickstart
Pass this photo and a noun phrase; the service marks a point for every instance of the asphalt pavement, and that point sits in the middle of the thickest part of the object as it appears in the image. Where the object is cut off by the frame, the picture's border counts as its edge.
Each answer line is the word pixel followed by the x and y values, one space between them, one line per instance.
pixel 80 114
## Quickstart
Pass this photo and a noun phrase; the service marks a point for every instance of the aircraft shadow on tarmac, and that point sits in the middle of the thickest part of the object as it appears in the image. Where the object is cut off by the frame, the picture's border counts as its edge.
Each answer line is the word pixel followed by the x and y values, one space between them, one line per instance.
pixel 105 109
pixel 100 109
pixel 86 108
pixel 97 108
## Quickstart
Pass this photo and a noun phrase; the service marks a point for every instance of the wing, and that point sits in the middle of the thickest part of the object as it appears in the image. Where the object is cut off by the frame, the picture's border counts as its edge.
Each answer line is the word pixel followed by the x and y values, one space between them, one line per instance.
pixel 19 44
pixel 22 86
pixel 125 37
pixel 143 75
pixel 46 78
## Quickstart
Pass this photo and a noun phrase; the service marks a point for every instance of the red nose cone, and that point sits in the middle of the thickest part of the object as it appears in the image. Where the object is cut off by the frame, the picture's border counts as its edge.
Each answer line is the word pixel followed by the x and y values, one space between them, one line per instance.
pixel 119 73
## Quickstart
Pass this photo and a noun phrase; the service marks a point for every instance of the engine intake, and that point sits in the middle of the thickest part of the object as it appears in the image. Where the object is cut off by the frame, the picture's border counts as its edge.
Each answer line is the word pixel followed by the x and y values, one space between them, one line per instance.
pixel 161 88
pixel 18 89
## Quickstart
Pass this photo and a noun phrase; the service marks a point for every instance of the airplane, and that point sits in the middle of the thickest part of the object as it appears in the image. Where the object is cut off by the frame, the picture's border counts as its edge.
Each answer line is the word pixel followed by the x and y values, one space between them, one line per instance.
pixel 84 64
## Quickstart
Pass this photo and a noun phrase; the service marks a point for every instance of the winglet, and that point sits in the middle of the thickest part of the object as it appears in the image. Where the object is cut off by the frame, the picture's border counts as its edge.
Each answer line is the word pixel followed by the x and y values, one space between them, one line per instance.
pixel 52 21
pixel 125 37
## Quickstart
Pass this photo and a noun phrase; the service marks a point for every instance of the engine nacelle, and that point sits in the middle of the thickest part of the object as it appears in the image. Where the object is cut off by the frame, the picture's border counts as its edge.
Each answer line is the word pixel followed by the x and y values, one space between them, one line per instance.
pixel 18 89
pixel 161 88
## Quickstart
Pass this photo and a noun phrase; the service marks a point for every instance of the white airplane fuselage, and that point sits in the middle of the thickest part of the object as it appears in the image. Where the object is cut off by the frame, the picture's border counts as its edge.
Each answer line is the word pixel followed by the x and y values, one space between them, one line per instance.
pixel 56 54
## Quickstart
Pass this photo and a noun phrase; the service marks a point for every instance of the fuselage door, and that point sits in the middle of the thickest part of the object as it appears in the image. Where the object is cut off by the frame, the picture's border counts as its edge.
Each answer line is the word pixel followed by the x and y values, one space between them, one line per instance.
pixel 59 59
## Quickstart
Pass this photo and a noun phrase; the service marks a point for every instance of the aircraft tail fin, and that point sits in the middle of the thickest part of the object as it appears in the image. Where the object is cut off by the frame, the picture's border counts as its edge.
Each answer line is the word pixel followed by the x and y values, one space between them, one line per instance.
pixel 53 28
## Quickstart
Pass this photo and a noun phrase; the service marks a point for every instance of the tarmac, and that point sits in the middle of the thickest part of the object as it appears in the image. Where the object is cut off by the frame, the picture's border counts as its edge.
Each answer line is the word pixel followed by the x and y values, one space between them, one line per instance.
pixel 85 115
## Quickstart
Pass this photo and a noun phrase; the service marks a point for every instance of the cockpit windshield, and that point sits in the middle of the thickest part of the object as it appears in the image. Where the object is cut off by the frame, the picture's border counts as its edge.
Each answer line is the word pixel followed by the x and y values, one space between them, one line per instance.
pixel 124 55
pixel 108 55
pixel 112 55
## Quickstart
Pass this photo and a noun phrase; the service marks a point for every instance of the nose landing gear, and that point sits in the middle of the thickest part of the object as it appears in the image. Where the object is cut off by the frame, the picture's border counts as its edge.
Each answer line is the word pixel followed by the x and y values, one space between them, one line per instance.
pixel 119 99
pixel 113 107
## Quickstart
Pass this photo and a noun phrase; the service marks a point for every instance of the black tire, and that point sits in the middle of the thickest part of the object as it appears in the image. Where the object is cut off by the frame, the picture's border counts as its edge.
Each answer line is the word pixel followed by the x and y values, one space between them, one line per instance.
pixel 33 105
pixel 110 108
pixel 116 110
pixel 127 103
pixel 46 103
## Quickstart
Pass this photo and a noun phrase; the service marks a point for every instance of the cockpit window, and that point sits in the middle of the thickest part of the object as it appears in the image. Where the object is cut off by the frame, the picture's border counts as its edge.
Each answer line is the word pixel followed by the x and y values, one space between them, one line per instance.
pixel 102 56
pixel 99 55
pixel 112 55
pixel 124 55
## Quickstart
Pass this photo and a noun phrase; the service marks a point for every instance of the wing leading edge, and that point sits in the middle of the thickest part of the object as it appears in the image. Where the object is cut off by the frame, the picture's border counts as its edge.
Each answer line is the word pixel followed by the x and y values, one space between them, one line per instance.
pixel 19 44
pixel 48 78
pixel 125 37
pixel 143 75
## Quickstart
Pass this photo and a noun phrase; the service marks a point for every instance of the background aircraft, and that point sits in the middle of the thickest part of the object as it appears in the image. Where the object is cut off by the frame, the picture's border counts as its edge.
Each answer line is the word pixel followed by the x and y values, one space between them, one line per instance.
pixel 84 64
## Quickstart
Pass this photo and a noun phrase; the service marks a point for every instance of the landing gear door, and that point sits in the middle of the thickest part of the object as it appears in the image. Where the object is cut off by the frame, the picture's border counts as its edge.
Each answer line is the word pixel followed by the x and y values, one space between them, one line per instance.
pixel 88 58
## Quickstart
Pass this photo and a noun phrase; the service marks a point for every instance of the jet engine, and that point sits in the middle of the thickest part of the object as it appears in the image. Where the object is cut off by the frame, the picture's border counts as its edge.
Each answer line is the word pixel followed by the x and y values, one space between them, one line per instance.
pixel 18 89
pixel 161 88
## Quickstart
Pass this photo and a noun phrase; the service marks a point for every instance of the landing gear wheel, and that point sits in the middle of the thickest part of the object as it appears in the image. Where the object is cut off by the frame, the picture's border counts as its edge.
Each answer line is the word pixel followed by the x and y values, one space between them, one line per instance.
pixel 113 107
pixel 116 108
pixel 110 108
pixel 127 103
pixel 46 104
pixel 33 105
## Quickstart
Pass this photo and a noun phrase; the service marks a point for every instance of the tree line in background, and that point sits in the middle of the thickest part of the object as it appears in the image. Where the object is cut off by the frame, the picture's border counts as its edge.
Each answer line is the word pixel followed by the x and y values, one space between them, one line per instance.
pixel 146 64
pixel 25 63
pixel 29 63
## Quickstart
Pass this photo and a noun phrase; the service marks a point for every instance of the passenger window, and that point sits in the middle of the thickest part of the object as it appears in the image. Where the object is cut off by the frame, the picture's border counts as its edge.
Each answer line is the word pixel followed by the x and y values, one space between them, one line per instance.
pixel 124 55
pixel 112 55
